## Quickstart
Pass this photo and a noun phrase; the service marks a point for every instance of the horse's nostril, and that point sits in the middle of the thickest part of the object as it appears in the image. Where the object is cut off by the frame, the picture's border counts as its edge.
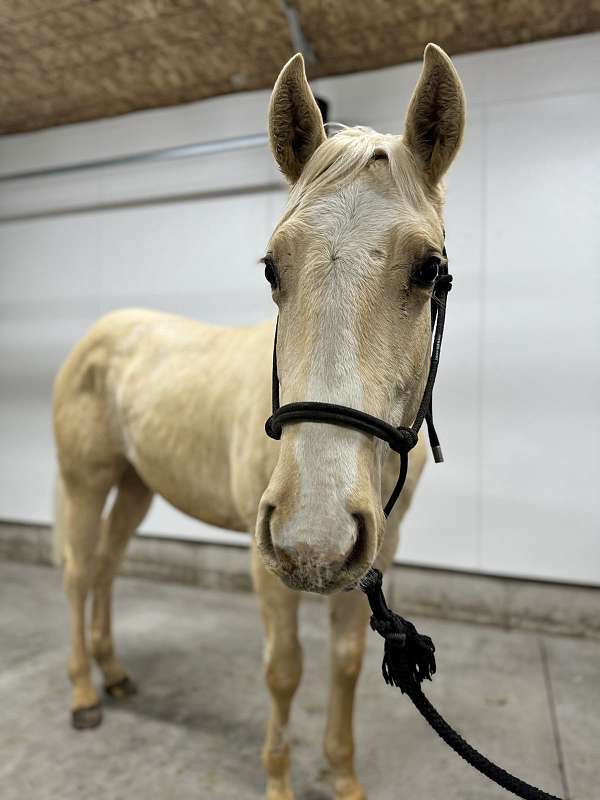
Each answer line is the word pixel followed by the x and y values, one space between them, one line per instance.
pixel 358 553
pixel 265 539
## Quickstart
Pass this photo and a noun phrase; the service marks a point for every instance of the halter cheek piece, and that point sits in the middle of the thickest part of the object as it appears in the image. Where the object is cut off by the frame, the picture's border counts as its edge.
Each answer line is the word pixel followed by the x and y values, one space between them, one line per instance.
pixel 401 439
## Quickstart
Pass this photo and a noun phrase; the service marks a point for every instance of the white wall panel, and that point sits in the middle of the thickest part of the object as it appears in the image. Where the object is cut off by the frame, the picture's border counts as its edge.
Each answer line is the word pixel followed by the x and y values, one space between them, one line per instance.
pixel 559 66
pixel 541 383
pixel 49 259
pixel 519 389
pixel 212 268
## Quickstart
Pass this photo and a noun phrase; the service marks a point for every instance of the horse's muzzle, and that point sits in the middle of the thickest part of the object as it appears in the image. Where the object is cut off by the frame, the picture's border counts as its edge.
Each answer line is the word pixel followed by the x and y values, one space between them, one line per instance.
pixel 308 560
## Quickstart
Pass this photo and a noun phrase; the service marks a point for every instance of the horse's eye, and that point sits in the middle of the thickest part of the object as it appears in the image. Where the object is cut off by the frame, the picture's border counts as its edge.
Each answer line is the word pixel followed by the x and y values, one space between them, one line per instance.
pixel 427 271
pixel 271 272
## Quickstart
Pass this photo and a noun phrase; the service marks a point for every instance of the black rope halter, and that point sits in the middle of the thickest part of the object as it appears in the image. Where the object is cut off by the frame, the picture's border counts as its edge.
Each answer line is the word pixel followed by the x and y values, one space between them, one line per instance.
pixel 400 439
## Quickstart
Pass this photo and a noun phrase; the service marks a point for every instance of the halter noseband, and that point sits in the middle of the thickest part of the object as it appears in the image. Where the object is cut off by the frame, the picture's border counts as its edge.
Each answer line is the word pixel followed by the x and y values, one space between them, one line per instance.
pixel 401 439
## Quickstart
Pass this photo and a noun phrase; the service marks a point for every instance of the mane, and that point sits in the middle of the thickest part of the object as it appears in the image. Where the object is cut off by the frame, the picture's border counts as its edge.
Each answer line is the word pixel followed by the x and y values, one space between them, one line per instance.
pixel 340 159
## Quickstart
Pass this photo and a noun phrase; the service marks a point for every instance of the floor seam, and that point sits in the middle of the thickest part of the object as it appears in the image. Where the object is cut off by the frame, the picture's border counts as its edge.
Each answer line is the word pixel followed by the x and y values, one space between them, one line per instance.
pixel 554 718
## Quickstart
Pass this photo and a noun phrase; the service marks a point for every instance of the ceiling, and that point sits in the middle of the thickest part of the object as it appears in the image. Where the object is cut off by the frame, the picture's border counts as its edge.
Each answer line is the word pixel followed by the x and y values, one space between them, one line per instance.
pixel 71 60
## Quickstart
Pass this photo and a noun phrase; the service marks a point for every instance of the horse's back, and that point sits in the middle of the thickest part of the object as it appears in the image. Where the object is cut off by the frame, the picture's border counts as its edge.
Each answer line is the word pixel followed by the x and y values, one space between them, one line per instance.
pixel 128 338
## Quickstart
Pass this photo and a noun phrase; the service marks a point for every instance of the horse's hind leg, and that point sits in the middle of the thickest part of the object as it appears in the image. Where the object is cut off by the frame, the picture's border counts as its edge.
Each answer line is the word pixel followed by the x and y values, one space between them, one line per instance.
pixel 129 509
pixel 83 507
pixel 283 668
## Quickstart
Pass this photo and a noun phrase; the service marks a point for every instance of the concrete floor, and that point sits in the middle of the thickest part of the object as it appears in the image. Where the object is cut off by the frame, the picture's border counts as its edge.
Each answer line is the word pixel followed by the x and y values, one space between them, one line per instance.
pixel 195 730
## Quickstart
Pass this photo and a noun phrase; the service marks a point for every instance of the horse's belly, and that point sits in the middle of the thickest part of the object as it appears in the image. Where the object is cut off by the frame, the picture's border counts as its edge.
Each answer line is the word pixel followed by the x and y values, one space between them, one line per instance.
pixel 188 469
pixel 204 506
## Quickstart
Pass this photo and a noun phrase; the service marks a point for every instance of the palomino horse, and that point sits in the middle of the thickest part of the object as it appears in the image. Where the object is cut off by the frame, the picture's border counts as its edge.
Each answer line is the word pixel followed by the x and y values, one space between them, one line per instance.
pixel 148 402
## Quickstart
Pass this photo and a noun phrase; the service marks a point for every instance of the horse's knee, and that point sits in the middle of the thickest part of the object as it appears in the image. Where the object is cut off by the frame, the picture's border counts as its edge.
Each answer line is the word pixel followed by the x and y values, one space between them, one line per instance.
pixel 348 657
pixel 283 667
pixel 77 577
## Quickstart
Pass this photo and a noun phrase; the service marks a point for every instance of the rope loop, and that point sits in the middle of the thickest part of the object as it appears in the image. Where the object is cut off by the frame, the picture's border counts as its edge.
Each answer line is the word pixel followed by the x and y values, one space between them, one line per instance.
pixel 404 440
pixel 272 428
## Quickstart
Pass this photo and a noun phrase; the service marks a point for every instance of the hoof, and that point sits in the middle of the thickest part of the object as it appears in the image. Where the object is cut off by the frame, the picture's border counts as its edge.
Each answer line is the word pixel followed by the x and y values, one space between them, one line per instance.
pixel 348 789
pixel 83 718
pixel 121 689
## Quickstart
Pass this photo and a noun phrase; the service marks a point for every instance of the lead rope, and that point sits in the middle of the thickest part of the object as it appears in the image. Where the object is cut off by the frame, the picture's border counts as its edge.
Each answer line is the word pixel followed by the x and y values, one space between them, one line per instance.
pixel 409 659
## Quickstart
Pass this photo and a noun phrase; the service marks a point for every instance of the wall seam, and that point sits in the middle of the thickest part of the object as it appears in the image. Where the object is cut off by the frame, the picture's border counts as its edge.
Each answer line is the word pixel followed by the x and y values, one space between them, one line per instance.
pixel 483 221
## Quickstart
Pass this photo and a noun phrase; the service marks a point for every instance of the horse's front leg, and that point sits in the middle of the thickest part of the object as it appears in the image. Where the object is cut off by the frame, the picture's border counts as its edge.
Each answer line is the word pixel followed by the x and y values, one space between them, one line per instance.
pixel 349 614
pixel 283 668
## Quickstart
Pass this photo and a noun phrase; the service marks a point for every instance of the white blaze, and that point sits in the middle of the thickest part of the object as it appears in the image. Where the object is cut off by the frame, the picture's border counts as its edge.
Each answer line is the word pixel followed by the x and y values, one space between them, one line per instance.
pixel 327 455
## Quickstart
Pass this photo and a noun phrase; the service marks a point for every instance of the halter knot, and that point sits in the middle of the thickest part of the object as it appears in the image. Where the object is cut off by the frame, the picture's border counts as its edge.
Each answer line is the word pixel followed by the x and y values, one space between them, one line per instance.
pixel 408 657
pixel 403 440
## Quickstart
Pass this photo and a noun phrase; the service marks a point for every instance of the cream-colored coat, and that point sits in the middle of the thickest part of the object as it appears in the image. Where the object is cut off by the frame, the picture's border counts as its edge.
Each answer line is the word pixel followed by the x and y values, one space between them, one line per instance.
pixel 153 403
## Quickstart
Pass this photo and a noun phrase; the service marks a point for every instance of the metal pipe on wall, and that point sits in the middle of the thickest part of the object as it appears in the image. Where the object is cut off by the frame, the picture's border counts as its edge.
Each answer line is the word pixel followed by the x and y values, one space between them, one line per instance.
pixel 164 154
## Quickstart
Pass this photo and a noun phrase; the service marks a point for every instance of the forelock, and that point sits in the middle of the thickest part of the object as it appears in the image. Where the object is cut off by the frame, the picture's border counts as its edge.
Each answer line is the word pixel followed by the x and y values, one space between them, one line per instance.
pixel 340 159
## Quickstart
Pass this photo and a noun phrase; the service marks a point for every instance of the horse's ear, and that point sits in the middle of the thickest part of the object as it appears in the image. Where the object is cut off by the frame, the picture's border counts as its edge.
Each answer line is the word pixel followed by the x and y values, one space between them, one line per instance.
pixel 436 115
pixel 295 122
